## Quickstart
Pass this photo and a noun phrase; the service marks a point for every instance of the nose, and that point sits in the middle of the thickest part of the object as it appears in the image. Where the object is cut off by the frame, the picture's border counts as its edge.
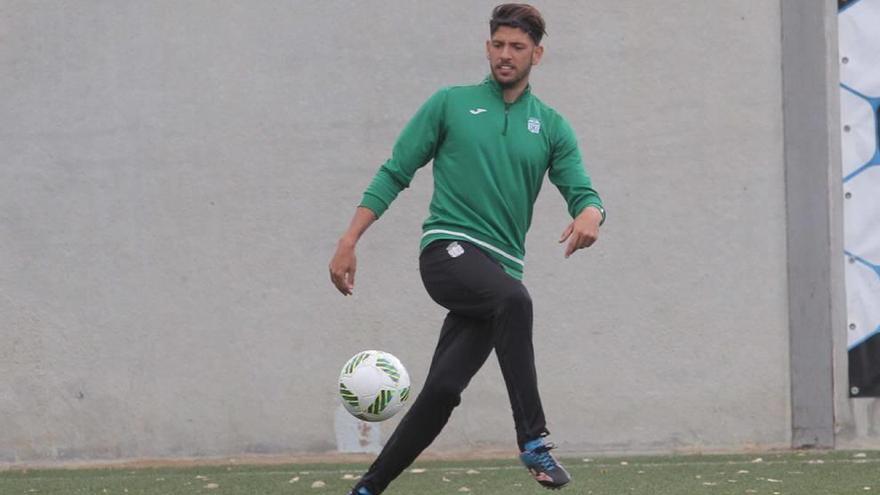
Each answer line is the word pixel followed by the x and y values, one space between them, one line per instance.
pixel 505 53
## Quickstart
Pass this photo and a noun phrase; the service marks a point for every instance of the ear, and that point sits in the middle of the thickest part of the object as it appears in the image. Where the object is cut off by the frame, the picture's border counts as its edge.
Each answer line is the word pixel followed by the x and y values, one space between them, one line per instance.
pixel 537 53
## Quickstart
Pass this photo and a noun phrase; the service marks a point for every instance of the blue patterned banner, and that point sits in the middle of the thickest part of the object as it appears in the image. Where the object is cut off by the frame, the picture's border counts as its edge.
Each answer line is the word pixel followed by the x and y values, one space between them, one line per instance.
pixel 860 134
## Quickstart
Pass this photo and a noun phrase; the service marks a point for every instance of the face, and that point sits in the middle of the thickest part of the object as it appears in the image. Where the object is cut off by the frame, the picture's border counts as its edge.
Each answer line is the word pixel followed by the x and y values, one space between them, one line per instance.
pixel 512 53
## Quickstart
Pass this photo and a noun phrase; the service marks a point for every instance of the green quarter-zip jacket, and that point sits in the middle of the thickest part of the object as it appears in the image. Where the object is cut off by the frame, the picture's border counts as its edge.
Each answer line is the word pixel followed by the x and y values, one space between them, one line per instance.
pixel 490 158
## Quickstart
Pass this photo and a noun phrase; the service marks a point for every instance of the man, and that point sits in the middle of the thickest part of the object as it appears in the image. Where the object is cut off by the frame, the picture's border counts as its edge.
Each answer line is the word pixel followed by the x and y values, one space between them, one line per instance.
pixel 491 144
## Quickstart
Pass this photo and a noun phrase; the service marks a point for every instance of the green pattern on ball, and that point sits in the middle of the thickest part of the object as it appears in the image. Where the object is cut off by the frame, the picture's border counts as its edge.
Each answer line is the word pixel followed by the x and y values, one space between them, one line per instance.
pixel 355 361
pixel 381 402
pixel 348 396
pixel 389 369
pixel 404 394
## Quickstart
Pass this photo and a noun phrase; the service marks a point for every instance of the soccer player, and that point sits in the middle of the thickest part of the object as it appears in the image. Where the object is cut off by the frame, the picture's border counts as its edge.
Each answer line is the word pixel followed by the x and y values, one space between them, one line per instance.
pixel 491 143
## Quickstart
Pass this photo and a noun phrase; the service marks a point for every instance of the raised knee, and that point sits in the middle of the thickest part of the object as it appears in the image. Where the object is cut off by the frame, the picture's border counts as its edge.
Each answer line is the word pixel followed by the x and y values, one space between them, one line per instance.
pixel 446 395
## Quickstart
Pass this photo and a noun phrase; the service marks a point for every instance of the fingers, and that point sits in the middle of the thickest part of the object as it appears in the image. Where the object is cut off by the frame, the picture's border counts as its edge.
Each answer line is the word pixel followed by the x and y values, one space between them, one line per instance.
pixel 567 232
pixel 343 279
pixel 338 280
pixel 571 247
pixel 343 285
pixel 579 241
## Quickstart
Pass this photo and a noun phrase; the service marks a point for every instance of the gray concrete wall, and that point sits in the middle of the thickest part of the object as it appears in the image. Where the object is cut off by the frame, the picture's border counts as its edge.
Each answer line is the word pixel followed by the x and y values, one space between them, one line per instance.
pixel 174 176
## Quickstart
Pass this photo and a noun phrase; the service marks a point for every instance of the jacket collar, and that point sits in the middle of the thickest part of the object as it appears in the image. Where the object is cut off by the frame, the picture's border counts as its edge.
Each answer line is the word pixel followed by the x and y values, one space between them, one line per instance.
pixel 498 90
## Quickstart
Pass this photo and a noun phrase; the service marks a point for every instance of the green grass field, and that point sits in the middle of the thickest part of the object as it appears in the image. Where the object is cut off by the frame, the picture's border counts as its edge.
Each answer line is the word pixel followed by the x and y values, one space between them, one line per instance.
pixel 798 473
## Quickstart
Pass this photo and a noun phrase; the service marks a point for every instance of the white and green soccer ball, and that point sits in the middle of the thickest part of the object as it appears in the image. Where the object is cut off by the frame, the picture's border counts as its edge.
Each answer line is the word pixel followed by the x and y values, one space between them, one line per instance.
pixel 373 385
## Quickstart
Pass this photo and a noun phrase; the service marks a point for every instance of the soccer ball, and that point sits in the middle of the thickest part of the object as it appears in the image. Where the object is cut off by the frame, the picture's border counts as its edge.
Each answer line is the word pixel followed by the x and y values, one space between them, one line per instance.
pixel 373 385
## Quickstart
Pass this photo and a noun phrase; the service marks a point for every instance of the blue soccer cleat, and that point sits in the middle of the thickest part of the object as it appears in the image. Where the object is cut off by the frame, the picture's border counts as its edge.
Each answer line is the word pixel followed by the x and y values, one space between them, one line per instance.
pixel 543 466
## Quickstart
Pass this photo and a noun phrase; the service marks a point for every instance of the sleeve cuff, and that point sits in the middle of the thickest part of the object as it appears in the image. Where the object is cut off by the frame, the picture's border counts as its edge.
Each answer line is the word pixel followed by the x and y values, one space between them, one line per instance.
pixel 376 205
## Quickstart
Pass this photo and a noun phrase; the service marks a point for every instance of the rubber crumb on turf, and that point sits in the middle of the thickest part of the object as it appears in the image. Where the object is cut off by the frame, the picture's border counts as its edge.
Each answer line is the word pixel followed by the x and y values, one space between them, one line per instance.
pixel 294 479
pixel 319 484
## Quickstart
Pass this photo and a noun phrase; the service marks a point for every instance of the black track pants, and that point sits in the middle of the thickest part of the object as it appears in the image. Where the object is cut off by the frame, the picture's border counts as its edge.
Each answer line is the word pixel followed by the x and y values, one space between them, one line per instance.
pixel 488 309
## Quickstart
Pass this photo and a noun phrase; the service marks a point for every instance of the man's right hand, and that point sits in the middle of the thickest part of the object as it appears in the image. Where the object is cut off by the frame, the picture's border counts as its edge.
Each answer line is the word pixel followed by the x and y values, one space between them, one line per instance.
pixel 344 262
pixel 342 267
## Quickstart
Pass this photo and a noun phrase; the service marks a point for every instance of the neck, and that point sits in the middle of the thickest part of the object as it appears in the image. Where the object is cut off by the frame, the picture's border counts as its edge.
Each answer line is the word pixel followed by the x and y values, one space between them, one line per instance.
pixel 513 92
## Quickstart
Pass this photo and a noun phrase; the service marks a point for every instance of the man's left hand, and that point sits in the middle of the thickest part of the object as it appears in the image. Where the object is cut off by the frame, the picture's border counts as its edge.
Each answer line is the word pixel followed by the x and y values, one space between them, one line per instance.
pixel 583 231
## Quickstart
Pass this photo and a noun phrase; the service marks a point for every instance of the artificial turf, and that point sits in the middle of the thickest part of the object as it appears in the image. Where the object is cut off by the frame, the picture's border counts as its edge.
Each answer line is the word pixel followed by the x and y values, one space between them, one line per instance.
pixel 795 473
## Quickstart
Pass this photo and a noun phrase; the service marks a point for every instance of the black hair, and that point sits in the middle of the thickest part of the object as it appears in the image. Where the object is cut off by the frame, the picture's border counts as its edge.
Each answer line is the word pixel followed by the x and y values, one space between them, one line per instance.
pixel 519 15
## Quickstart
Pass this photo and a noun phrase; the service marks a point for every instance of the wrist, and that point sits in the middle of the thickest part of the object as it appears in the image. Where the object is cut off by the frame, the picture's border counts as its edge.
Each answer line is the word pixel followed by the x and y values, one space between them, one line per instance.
pixel 347 241
pixel 597 209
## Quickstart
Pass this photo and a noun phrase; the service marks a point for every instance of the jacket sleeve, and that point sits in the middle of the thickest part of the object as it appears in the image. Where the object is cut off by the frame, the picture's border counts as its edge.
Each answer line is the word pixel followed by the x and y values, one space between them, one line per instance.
pixel 414 148
pixel 567 172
